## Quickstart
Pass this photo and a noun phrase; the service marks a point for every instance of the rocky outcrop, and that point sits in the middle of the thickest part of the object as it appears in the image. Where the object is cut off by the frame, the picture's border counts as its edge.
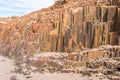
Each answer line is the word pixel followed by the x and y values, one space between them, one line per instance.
pixel 69 27
pixel 107 57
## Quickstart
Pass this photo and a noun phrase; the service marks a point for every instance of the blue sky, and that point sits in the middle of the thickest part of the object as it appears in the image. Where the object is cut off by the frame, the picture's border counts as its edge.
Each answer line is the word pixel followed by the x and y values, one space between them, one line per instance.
pixel 21 7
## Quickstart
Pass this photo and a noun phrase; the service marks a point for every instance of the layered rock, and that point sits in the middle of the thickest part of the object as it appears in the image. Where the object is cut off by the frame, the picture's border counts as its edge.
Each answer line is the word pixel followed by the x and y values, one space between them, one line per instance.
pixel 106 57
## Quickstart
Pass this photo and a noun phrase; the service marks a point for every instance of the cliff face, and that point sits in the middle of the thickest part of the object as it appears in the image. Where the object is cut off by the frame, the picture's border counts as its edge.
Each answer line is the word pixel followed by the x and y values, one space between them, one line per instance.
pixel 65 27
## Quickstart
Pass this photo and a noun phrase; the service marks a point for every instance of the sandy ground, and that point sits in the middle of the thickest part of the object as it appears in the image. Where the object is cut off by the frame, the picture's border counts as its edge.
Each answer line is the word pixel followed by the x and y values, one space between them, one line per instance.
pixel 6 66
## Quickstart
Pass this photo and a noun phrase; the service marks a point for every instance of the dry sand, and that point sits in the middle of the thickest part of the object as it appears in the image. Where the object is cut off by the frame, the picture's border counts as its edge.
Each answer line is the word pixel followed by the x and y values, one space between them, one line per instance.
pixel 7 65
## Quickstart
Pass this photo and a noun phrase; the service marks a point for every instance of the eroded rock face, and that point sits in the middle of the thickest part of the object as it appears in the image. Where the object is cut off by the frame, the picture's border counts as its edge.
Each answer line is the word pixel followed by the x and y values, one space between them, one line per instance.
pixel 104 60
pixel 68 28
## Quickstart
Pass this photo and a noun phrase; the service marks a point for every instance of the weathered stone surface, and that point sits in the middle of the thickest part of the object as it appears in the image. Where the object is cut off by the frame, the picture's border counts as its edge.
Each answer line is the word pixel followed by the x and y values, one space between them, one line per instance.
pixel 112 12
pixel 66 27
pixel 104 56
pixel 95 54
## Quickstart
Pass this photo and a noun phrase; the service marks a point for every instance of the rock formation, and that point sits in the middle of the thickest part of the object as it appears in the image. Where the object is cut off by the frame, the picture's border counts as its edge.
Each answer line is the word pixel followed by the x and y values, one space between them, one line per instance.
pixel 68 26
pixel 105 60
pixel 65 37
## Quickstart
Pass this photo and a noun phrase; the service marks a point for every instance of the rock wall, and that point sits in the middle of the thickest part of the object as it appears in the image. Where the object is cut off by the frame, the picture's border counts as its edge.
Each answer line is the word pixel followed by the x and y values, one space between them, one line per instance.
pixel 87 26
pixel 67 29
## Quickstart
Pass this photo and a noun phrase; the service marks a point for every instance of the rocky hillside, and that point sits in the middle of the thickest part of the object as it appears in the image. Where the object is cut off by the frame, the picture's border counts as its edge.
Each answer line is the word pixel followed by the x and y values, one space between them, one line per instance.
pixel 67 26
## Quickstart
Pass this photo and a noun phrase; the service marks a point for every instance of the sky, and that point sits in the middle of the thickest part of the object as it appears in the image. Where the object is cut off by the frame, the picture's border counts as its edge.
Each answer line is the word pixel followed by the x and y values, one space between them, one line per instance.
pixel 22 7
